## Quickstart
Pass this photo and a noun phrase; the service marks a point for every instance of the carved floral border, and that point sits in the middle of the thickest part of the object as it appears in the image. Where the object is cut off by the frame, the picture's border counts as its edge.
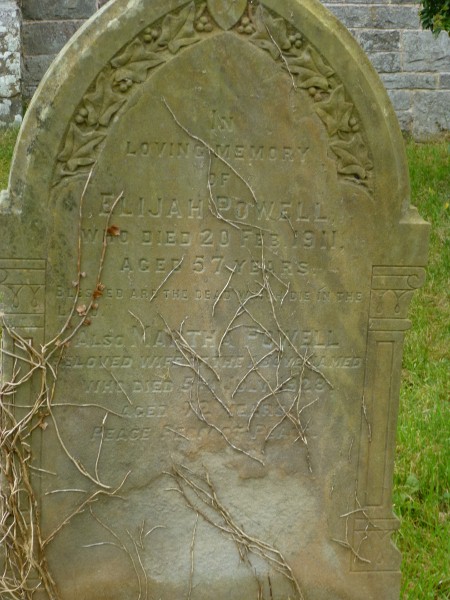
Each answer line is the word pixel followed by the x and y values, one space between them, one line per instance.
pixel 161 41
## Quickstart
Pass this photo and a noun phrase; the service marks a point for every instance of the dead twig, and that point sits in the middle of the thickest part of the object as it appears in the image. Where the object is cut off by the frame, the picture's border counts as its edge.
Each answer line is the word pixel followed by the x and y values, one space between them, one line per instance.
pixel 210 149
pixel 200 496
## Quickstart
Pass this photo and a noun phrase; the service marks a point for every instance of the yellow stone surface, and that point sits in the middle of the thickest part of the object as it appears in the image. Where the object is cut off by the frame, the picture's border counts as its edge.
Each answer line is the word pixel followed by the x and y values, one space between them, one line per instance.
pixel 208 230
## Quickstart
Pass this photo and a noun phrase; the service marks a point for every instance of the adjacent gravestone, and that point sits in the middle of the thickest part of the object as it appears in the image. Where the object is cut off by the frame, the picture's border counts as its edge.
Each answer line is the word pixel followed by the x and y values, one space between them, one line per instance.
pixel 207 257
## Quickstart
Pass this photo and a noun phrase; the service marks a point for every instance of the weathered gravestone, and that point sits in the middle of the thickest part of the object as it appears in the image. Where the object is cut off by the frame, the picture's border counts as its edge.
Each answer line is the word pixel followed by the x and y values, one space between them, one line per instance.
pixel 207 257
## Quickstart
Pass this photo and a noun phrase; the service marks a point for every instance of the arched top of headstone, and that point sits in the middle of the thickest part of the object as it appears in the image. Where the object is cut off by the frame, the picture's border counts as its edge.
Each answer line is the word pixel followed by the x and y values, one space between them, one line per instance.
pixel 93 81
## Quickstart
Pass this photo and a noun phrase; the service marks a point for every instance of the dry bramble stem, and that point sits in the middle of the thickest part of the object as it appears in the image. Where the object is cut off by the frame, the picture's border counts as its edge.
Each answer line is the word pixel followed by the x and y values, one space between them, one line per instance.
pixel 199 494
pixel 210 150
pixel 25 567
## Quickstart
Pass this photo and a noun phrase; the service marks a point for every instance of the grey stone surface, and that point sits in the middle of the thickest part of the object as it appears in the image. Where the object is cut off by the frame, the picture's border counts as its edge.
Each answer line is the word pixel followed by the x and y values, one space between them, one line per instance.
pixel 58 9
pixel 386 62
pixel 425 52
pixel 11 110
pixel 444 81
pixel 375 40
pixel 376 17
pixel 431 114
pixel 47 37
pixel 413 81
pixel 401 99
pixel 10 64
pixel 34 69
pixel 11 73
pixel 9 31
pixel 208 324
pixel 405 118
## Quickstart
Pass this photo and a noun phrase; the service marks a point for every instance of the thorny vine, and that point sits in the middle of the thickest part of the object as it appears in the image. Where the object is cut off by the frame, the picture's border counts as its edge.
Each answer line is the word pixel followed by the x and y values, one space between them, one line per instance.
pixel 346 542
pixel 25 567
pixel 286 389
pixel 134 555
pixel 200 495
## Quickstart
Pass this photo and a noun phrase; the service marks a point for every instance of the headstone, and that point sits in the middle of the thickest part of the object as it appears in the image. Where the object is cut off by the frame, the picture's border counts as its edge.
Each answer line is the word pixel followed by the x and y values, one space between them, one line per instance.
pixel 207 257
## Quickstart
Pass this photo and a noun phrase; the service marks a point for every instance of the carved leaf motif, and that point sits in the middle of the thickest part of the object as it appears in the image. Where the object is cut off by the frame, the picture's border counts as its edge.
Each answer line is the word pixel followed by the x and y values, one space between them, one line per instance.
pixel 135 62
pixel 317 61
pixel 79 148
pixel 335 111
pixel 307 77
pixel 353 158
pixel 102 104
pixel 310 68
pixel 131 52
pixel 178 30
pixel 271 33
pixel 226 13
pixel 137 52
pixel 137 71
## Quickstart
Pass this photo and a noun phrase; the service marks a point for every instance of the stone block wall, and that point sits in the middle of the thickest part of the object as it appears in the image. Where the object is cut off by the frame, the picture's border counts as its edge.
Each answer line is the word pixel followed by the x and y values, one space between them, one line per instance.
pixel 10 68
pixel 413 64
pixel 47 26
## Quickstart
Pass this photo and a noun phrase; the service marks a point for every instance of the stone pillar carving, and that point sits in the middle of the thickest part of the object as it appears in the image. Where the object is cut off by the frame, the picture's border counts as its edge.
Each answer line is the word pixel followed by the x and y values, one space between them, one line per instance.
pixel 391 292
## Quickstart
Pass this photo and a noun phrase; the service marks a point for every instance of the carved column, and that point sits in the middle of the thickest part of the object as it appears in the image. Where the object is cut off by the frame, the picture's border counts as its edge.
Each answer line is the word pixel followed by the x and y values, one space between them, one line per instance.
pixel 391 292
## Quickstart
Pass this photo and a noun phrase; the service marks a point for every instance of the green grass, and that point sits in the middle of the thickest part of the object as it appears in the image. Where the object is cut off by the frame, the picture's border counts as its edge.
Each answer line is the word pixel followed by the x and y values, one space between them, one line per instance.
pixel 421 493
pixel 7 140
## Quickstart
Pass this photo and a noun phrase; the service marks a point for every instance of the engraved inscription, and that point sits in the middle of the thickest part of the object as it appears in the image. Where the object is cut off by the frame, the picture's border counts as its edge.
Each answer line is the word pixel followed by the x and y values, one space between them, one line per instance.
pixel 240 152
pixel 156 46
pixel 204 371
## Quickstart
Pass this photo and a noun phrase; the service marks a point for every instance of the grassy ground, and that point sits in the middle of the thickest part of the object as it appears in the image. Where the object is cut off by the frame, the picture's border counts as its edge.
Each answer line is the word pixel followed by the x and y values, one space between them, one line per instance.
pixel 422 480
pixel 7 141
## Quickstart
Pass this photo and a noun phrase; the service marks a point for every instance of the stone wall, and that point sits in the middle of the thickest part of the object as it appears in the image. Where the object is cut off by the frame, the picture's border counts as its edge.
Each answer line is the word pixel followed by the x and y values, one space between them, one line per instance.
pixel 10 69
pixel 414 65
pixel 47 26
